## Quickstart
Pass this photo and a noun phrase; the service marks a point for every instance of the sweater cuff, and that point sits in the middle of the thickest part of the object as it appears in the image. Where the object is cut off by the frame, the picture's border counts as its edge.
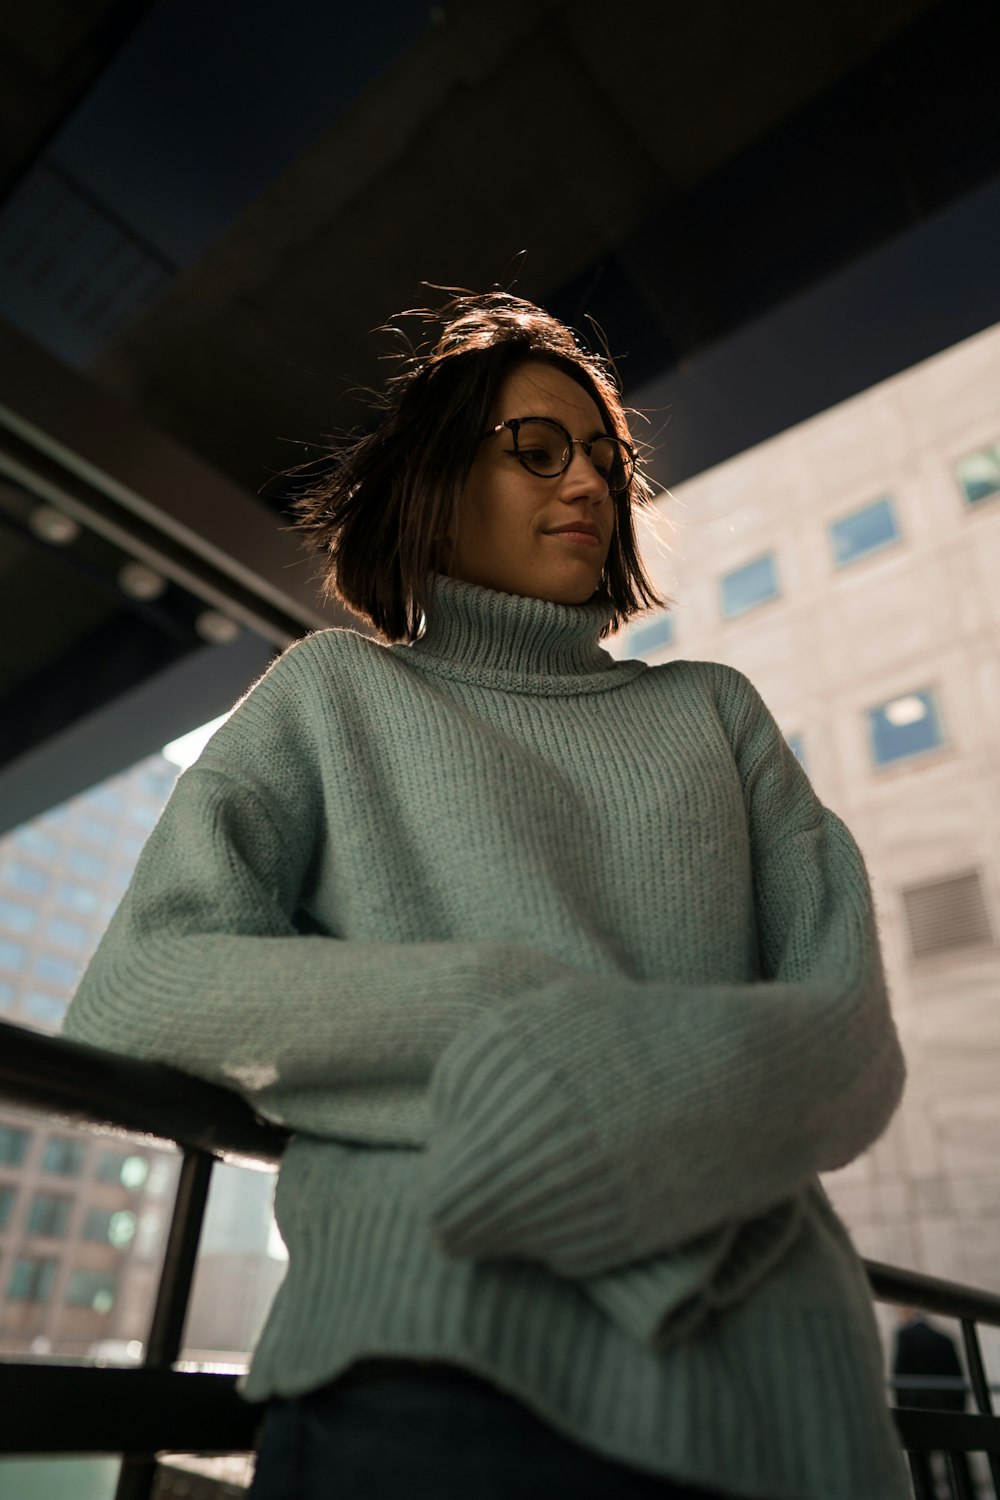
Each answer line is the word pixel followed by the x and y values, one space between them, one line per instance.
pixel 514 1168
pixel 663 1300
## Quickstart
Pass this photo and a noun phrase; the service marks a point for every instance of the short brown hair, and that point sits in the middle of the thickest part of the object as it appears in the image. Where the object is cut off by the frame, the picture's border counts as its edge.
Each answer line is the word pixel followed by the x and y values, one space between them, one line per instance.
pixel 387 499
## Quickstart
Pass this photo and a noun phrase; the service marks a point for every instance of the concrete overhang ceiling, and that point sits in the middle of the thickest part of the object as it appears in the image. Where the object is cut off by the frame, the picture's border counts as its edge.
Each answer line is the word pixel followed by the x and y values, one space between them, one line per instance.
pixel 672 170
pixel 588 135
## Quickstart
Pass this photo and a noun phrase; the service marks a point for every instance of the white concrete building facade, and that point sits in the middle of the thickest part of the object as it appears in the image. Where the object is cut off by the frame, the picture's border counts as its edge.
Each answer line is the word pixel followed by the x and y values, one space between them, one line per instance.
pixel 851 568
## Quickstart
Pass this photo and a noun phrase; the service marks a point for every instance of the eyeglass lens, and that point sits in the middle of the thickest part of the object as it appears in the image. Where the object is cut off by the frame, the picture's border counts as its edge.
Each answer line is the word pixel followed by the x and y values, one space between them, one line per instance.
pixel 545 449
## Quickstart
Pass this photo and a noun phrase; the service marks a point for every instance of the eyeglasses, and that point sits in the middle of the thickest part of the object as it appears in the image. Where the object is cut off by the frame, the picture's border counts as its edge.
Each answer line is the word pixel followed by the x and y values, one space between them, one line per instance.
pixel 544 447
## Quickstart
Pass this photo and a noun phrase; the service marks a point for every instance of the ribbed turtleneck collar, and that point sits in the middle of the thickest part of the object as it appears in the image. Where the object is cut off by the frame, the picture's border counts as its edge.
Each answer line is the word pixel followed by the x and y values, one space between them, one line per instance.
pixel 499 640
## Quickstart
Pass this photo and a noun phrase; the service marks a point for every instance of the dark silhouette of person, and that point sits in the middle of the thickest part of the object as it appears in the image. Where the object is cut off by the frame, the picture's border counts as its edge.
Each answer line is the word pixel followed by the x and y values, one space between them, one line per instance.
pixel 921 1350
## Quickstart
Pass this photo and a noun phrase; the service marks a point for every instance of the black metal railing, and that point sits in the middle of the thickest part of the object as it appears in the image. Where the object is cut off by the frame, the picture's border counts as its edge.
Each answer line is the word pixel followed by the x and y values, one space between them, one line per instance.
pixel 138 1412
pixel 51 1408
pixel 952 1434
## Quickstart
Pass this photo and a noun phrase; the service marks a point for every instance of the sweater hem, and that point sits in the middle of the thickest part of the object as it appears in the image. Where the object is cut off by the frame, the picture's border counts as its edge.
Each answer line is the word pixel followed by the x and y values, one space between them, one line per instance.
pixel 781 1396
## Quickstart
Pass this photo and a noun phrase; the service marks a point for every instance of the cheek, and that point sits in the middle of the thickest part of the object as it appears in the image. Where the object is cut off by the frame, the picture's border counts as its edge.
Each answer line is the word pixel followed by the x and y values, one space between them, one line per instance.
pixel 501 512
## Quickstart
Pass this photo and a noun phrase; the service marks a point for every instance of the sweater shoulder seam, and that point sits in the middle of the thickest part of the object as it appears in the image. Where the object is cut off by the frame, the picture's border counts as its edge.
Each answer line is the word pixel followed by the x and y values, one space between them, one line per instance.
pixel 257 790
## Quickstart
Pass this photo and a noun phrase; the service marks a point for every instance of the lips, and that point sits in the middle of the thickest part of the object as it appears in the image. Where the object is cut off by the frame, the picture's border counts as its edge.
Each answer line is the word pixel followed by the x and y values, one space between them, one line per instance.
pixel 577 528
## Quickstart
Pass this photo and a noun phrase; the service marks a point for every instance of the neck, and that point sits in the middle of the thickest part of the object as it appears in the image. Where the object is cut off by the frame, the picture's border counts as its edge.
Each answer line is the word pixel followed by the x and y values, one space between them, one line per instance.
pixel 505 640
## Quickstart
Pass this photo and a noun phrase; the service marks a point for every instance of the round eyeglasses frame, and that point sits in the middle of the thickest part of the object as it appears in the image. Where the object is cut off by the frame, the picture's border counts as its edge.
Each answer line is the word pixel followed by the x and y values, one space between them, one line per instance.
pixel 625 452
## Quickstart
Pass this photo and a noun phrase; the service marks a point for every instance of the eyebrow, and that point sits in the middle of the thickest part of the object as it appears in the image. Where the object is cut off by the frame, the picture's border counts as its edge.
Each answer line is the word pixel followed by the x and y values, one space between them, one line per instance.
pixel 538 416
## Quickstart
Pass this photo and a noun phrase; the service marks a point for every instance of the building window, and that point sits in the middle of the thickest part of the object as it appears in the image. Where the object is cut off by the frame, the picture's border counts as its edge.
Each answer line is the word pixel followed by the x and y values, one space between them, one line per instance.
pixel 24 877
pixel 49 1215
pixel 148 1231
pixel 35 841
pixel 158 782
pixel 130 1171
pixel 865 531
pixel 16 917
pixel 746 587
pixel 80 897
pixel 63 1156
pixel 110 1227
pixel 161 1178
pixel 947 914
pixel 8 1197
pixel 979 474
pixel 69 934
pixel 909 725
pixel 94 1289
pixel 47 1010
pixel 796 745
pixel 13 1145
pixel 106 797
pixel 96 831
pixel 651 636
pixel 61 971
pixel 12 955
pixel 32 1280
pixel 84 862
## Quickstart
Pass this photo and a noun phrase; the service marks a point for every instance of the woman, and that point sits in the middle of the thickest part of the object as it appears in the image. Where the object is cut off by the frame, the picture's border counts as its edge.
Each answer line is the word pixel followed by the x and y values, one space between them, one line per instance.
pixel 562 977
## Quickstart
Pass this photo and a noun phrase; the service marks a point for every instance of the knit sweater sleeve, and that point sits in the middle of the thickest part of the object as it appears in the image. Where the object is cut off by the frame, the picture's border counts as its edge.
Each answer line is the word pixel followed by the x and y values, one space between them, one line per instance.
pixel 203 965
pixel 604 1121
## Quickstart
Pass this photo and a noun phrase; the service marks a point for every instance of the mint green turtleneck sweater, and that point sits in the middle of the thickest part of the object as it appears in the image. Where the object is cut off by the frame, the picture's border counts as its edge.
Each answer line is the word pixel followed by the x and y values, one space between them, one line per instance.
pixel 568 987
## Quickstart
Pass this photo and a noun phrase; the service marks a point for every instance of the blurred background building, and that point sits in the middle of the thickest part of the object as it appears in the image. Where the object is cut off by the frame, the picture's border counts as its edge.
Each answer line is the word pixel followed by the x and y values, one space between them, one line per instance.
pixel 81 1219
pixel 785 222
pixel 849 568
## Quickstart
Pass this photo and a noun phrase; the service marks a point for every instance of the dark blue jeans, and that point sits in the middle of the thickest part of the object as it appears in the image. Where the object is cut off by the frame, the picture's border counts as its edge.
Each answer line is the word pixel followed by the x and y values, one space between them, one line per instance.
pixel 450 1436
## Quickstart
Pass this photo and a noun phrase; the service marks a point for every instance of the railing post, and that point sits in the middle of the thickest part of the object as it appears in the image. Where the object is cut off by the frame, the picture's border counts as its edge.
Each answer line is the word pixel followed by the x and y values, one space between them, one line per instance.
pixel 920 1474
pixel 959 1478
pixel 980 1387
pixel 138 1471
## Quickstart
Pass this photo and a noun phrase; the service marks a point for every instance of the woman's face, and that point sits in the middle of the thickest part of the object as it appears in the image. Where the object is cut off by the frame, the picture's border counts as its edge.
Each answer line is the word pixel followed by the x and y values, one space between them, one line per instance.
pixel 514 530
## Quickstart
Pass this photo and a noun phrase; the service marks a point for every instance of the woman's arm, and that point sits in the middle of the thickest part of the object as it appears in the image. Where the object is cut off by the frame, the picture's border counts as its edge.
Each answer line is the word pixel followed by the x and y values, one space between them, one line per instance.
pixel 663 1299
pixel 603 1121
pixel 202 967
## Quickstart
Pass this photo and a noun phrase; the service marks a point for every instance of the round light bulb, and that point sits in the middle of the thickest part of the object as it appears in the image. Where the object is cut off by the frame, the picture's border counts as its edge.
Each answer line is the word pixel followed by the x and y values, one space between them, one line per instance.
pixel 140 582
pixel 53 525
pixel 215 628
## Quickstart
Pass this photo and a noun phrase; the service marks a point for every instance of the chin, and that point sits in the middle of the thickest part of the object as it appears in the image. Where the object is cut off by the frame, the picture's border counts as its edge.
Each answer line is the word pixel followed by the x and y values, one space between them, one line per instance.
pixel 572 601
pixel 572 593
pixel 552 590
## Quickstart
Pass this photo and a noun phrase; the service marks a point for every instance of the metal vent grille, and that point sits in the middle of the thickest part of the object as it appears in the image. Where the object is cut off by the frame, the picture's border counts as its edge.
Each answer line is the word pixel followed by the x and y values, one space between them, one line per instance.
pixel 71 274
pixel 947 914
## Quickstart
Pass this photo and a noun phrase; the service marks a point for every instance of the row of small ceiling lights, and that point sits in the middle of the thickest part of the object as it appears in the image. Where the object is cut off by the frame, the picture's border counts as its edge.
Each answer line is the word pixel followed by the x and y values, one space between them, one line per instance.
pixel 134 578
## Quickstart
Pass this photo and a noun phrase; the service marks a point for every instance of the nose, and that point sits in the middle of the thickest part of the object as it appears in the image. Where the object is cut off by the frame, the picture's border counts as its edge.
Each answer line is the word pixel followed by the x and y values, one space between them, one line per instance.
pixel 582 480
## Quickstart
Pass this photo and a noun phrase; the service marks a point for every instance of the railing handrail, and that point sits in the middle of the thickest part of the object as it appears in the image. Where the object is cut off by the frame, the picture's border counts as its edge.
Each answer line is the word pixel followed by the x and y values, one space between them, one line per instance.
pixel 89 1086
pixel 950 1299
pixel 156 1406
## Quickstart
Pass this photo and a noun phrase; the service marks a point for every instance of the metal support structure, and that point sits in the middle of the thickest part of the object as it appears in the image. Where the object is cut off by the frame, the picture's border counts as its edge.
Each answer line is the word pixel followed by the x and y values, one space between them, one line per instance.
pixel 68 1409
pixel 959 1479
pixel 980 1387
pixel 977 1374
pixel 88 1086
pixel 138 1471
pixel 920 1476
pixel 167 1325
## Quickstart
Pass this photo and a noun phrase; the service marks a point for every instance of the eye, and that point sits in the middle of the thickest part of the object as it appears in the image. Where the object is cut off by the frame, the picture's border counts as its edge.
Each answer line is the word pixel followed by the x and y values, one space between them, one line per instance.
pixel 534 457
pixel 541 446
pixel 605 456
